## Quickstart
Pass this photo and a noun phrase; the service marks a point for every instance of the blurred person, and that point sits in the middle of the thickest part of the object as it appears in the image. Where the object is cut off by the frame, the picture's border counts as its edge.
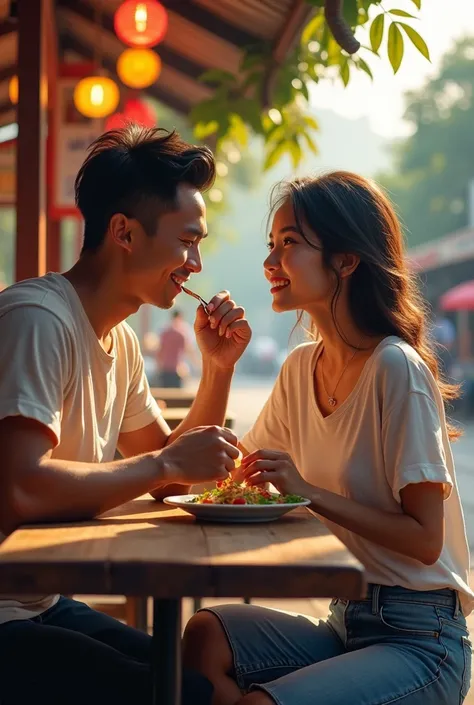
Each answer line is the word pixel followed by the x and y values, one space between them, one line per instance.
pixel 356 423
pixel 444 334
pixel 175 344
pixel 73 389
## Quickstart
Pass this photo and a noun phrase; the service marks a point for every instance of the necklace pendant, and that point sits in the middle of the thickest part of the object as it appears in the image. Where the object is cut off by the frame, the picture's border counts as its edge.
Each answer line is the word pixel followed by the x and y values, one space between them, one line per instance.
pixel 332 401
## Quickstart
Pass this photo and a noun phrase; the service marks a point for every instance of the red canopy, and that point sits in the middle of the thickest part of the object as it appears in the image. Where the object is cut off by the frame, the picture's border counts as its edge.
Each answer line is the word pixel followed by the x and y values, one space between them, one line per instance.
pixel 460 298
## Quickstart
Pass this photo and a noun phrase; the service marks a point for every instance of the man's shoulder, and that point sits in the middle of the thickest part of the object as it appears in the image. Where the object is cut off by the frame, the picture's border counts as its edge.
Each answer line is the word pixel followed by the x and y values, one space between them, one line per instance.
pixel 42 298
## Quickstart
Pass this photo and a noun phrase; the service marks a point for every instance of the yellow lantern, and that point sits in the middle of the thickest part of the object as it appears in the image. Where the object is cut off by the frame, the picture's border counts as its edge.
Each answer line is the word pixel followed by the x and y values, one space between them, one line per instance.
pixel 96 96
pixel 13 89
pixel 138 68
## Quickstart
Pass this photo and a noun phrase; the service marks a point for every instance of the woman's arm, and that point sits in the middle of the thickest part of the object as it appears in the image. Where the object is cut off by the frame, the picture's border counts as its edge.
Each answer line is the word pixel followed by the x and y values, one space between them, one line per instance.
pixel 416 532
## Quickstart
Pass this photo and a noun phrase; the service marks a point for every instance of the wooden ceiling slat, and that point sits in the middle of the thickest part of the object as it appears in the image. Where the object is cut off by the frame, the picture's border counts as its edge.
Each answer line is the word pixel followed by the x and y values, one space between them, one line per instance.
pixel 211 22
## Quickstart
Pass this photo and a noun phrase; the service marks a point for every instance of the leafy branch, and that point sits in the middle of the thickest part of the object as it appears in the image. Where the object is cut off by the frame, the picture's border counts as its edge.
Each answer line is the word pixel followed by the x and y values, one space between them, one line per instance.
pixel 272 101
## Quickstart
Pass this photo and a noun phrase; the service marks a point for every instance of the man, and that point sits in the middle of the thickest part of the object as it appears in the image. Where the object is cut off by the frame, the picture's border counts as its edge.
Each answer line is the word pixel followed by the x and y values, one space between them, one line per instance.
pixel 174 344
pixel 73 389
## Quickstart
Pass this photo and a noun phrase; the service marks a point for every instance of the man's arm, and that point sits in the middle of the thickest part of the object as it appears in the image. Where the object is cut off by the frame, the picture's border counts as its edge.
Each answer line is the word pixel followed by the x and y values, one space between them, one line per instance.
pixel 222 338
pixel 208 408
pixel 35 487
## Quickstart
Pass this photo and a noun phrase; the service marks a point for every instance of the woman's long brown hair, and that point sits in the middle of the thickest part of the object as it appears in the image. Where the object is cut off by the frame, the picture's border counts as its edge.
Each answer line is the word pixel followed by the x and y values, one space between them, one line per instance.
pixel 350 214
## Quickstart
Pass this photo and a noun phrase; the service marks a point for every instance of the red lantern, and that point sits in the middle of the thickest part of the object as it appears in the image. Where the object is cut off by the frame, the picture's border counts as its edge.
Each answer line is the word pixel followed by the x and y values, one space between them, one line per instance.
pixel 135 110
pixel 141 24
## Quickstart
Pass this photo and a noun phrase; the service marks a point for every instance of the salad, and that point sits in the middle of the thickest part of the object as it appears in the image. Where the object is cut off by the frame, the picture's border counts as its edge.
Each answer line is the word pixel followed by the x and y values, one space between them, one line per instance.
pixel 230 492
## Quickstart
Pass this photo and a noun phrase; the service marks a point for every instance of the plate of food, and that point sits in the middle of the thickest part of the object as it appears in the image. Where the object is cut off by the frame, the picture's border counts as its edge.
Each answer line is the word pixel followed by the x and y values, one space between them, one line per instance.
pixel 236 502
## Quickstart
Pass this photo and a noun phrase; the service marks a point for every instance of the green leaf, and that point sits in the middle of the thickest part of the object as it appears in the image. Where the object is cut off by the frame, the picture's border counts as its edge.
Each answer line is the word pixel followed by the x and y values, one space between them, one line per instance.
pixel 345 72
pixel 203 129
pixel 351 12
pixel 310 143
pixel 395 46
pixel 361 64
pixel 416 39
pixel 311 122
pixel 206 111
pixel 376 32
pixel 402 13
pixel 239 130
pixel 296 153
pixel 217 76
pixel 312 29
pixel 417 3
pixel 274 155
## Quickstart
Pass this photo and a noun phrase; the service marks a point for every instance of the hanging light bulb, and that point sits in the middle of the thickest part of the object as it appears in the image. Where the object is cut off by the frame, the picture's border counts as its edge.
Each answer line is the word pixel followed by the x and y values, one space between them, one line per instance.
pixel 138 68
pixel 141 24
pixel 96 96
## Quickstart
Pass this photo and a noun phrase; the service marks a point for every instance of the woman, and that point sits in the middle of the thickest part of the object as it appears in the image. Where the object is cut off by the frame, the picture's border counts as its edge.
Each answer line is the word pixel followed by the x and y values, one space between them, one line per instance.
pixel 355 423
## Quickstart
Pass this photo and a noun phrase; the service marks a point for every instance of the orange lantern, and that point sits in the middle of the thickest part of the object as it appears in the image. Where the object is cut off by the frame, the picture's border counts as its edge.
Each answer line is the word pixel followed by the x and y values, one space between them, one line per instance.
pixel 138 68
pixel 141 24
pixel 96 96
pixel 13 89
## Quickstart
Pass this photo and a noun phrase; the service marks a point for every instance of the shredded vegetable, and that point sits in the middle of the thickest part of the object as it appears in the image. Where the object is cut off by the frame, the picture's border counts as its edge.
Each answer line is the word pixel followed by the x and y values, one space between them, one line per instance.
pixel 230 492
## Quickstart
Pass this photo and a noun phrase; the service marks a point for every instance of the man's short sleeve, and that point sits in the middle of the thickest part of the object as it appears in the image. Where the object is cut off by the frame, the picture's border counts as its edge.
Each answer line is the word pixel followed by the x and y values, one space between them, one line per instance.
pixel 141 409
pixel 35 366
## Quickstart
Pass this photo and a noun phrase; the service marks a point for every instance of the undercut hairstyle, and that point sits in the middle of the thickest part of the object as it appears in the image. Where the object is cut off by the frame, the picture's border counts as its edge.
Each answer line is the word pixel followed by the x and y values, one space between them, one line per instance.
pixel 136 171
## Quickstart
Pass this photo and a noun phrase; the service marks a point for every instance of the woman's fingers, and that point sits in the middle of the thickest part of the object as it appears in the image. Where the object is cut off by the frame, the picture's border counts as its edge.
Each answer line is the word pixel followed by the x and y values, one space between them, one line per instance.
pixel 262 478
pixel 264 454
pixel 258 466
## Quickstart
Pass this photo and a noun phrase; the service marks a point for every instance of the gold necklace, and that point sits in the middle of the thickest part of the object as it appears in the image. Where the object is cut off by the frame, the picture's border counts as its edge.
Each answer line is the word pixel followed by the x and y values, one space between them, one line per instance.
pixel 332 401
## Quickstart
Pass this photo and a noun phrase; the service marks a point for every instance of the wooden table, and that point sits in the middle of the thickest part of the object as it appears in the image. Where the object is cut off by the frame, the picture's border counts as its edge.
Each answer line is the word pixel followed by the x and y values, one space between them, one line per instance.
pixel 147 549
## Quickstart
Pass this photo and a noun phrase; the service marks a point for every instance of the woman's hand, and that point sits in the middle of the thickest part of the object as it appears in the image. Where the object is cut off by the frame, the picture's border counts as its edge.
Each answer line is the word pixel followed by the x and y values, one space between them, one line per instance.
pixel 275 467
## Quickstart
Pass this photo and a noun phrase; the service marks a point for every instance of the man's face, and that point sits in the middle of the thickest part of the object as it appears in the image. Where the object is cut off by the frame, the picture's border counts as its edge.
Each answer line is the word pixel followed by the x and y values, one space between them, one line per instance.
pixel 158 262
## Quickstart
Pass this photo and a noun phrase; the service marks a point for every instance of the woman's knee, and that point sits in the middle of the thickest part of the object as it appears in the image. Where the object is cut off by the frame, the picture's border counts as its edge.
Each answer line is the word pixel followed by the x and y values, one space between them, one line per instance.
pixel 205 643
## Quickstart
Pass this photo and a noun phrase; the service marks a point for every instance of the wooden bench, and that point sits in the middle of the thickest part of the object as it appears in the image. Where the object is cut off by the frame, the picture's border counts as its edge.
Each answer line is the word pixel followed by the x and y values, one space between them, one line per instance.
pixel 174 416
pixel 174 397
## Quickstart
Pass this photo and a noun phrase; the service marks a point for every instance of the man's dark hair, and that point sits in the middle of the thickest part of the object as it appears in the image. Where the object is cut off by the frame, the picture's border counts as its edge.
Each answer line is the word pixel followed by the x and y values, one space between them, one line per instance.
pixel 136 171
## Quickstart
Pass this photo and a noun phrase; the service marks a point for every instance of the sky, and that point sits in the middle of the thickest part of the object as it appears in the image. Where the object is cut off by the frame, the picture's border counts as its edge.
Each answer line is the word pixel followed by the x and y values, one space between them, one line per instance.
pixel 381 101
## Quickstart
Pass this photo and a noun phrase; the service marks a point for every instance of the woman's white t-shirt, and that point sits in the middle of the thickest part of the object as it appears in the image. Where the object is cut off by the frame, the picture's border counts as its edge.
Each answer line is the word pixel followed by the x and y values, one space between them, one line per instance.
pixel 390 432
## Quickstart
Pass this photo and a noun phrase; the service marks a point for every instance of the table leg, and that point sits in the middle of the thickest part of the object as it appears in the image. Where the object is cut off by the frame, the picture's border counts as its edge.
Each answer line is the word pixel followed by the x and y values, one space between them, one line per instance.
pixel 166 652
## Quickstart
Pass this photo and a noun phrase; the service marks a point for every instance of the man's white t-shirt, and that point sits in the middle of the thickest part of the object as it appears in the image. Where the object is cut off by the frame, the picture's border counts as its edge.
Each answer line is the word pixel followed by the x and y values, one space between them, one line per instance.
pixel 389 433
pixel 54 370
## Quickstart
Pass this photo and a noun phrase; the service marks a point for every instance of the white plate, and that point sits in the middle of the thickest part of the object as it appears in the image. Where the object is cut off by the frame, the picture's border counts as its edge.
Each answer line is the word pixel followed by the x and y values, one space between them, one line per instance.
pixel 235 513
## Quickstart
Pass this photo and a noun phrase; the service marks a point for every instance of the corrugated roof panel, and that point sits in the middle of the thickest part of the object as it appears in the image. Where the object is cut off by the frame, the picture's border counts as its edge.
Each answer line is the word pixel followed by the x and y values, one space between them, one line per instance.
pixel 263 18
pixel 200 45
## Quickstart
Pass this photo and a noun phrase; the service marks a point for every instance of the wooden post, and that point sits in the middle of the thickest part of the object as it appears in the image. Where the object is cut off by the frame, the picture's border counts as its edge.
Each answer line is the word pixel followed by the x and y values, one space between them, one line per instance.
pixel 53 235
pixel 31 117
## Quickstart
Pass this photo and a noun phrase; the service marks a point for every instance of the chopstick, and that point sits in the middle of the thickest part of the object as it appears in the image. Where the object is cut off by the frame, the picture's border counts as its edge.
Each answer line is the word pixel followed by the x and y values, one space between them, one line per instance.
pixel 199 298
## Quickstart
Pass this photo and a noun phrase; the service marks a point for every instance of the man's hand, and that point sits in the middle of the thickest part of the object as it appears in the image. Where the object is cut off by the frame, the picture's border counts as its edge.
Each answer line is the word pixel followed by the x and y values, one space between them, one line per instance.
pixel 204 454
pixel 222 337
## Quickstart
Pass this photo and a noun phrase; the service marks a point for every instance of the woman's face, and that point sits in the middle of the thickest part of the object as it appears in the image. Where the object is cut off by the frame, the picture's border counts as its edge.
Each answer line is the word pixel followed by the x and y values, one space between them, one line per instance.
pixel 294 269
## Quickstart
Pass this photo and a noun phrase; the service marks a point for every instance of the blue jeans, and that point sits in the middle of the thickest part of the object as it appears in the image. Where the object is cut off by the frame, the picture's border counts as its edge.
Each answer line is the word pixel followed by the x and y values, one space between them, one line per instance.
pixel 397 646
pixel 74 655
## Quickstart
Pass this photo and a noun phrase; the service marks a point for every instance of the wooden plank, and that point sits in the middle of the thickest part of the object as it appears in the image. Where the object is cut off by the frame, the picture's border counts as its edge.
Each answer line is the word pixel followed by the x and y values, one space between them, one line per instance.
pixel 145 548
pixel 174 416
pixel 174 397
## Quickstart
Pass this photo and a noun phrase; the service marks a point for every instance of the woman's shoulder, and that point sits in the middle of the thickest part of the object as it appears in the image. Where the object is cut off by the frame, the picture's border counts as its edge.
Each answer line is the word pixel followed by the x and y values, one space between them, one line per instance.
pixel 398 365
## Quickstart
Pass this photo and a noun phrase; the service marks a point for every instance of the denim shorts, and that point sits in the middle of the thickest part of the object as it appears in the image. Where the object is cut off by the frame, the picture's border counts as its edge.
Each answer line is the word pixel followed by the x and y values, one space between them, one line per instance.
pixel 396 646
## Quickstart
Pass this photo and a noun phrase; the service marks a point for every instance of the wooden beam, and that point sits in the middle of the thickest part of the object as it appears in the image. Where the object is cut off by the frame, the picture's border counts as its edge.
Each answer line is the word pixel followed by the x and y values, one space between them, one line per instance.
pixel 7 72
pixel 72 43
pixel 53 244
pixel 298 16
pixel 30 154
pixel 169 56
pixel 212 23
pixel 7 26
